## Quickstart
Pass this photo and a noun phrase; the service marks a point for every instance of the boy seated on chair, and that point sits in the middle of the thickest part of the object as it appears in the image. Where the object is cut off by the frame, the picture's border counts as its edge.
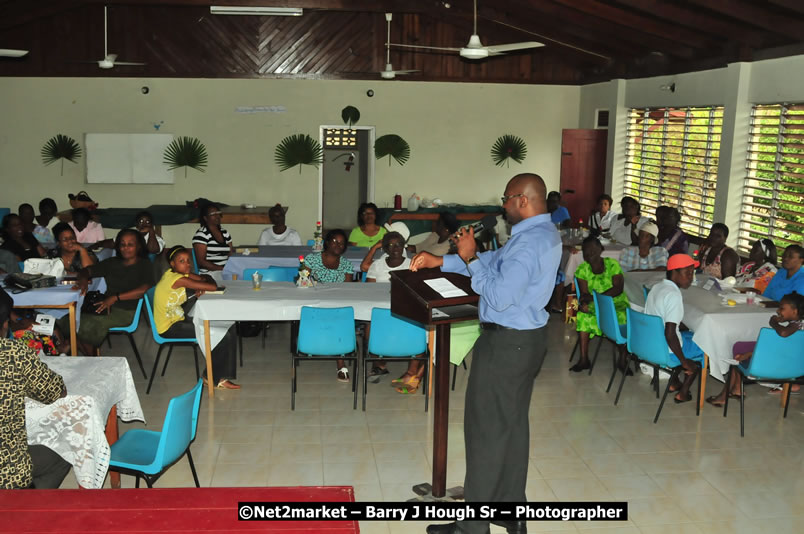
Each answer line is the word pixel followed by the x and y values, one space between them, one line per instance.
pixel 665 301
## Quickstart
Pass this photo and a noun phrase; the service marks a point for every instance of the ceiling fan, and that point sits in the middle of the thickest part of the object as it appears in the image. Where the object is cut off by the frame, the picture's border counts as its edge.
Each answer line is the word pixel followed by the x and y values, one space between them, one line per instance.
pixel 474 49
pixel 389 73
pixel 8 52
pixel 109 60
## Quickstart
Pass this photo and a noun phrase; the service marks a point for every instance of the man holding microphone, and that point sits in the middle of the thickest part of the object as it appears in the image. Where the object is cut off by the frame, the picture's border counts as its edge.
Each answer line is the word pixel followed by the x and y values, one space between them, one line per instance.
pixel 514 283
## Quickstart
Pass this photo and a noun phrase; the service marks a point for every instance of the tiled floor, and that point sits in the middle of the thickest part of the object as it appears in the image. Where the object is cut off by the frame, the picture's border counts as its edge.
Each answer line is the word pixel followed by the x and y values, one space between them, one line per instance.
pixel 686 474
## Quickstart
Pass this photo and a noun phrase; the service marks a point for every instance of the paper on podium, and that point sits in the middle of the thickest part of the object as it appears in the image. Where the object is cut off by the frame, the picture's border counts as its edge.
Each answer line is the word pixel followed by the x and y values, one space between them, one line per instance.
pixel 445 288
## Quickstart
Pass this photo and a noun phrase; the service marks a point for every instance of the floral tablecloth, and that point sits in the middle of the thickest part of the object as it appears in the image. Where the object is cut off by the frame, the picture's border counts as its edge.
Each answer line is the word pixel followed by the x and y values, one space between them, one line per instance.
pixel 74 426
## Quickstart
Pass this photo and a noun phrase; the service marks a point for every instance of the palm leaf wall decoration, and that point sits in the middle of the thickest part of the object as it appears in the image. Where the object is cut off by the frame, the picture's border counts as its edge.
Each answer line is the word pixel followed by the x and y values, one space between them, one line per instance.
pixel 186 152
pixel 298 149
pixel 393 146
pixel 508 147
pixel 60 147
pixel 350 115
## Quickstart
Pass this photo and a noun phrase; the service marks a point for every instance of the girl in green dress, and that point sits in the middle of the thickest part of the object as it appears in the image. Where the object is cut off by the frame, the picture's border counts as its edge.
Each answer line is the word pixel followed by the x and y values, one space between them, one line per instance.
pixel 605 276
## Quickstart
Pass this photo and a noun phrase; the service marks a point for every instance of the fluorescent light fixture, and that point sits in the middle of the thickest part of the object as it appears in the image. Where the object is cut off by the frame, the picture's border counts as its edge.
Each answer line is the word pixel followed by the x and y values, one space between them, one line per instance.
pixel 7 52
pixel 248 10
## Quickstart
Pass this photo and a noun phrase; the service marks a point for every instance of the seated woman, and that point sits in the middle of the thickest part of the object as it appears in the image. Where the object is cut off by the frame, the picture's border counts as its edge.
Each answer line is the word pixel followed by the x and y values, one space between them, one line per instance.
pixel 671 237
pixel 367 232
pixel 605 276
pixel 758 271
pixel 558 213
pixel 716 258
pixel 279 234
pixel 144 224
pixel 437 243
pixel 171 293
pixel 393 244
pixel 46 220
pixel 645 256
pixel 625 227
pixel 211 243
pixel 329 266
pixel 128 276
pixel 28 216
pixel 89 232
pixel 19 242
pixel 790 278
pixel 790 311
pixel 601 219
pixel 72 254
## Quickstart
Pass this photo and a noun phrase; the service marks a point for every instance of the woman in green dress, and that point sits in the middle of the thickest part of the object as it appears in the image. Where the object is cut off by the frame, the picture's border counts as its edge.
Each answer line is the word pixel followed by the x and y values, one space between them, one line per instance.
pixel 605 276
pixel 367 232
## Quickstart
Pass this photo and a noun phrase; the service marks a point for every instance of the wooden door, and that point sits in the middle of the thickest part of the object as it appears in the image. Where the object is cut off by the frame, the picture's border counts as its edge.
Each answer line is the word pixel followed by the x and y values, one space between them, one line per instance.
pixel 583 170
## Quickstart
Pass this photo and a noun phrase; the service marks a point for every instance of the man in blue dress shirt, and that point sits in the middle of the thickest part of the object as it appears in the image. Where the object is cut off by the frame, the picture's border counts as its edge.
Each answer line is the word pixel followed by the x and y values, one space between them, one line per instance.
pixel 514 284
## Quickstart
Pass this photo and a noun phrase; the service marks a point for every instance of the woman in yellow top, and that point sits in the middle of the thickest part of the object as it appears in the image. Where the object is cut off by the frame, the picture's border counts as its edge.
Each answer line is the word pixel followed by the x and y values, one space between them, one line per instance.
pixel 367 232
pixel 171 293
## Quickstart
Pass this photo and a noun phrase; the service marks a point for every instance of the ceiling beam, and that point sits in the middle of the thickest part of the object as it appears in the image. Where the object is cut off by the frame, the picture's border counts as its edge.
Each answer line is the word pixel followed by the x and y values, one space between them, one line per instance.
pixel 793 5
pixel 756 15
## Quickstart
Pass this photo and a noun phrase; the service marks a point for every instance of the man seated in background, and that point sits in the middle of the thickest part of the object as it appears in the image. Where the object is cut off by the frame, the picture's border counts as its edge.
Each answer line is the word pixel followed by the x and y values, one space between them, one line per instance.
pixel 144 223
pixel 22 374
pixel 437 243
pixel 88 232
pixel 279 234
pixel 558 213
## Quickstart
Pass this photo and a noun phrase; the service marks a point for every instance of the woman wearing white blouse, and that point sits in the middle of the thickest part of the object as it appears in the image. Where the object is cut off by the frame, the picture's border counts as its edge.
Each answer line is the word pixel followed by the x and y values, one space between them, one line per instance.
pixel 279 234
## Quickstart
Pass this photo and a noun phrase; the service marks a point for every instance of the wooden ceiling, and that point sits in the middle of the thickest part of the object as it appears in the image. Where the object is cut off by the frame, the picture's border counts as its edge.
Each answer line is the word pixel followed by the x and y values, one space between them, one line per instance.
pixel 586 40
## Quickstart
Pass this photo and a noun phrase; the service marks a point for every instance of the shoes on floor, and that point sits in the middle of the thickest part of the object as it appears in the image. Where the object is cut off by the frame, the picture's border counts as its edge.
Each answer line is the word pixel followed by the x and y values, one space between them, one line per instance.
pixel 343 375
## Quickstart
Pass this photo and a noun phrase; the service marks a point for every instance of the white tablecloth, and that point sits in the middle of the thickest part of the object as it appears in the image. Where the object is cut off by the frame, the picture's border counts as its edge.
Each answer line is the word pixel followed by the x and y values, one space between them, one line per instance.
pixel 280 257
pixel 716 328
pixel 58 295
pixel 575 259
pixel 282 301
pixel 74 426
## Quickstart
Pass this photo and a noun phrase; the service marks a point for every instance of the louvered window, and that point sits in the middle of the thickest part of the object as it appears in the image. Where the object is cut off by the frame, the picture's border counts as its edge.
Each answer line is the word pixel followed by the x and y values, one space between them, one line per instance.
pixel 671 159
pixel 773 198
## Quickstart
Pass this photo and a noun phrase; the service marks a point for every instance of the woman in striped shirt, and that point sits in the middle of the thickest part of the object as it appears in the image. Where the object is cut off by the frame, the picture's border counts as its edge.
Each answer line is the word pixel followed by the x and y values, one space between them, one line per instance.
pixel 211 243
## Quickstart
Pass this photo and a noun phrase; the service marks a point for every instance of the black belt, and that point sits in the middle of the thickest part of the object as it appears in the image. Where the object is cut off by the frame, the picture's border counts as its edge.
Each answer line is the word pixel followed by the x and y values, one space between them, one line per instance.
pixel 494 326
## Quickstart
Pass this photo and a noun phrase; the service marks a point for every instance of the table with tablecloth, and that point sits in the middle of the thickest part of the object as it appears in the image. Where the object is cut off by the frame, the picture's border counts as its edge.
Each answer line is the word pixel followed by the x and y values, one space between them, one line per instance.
pixel 279 256
pixel 74 426
pixel 58 301
pixel 716 327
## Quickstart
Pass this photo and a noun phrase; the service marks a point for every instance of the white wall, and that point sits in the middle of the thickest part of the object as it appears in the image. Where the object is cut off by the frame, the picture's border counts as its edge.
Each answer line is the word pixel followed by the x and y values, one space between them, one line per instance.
pixel 450 128
pixel 736 87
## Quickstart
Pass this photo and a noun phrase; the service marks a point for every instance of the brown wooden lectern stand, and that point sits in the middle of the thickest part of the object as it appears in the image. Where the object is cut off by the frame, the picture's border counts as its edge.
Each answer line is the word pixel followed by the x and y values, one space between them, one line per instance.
pixel 413 299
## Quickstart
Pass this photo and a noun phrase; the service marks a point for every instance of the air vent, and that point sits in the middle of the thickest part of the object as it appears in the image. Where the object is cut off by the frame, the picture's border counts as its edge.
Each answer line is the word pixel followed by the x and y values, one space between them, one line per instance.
pixel 602 119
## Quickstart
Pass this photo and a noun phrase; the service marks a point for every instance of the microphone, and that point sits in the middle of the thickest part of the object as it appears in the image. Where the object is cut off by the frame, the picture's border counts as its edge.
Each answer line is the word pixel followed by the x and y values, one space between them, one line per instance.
pixel 486 223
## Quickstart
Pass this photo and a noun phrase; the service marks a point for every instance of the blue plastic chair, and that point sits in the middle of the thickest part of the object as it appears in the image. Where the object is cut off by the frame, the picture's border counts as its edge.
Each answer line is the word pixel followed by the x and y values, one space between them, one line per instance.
pixel 398 339
pixel 162 341
pixel 148 454
pixel 273 274
pixel 326 334
pixel 646 341
pixel 195 261
pixel 310 242
pixel 775 359
pixel 614 332
pixel 21 265
pixel 128 331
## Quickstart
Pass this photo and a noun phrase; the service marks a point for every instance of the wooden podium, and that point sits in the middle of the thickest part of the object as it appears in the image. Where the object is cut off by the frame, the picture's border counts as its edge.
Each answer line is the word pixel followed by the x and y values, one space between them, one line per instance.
pixel 413 299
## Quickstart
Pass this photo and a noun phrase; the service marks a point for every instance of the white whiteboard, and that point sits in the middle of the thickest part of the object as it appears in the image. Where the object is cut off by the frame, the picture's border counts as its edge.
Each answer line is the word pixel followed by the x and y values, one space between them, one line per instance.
pixel 127 158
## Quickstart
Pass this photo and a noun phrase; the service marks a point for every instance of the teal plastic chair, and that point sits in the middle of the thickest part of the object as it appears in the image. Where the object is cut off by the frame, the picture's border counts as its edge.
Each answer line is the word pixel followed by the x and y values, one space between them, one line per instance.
pixel 393 338
pixel 273 274
pixel 614 332
pixel 148 454
pixel 195 261
pixel 775 359
pixel 310 242
pixel 646 341
pixel 162 341
pixel 128 331
pixel 326 334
